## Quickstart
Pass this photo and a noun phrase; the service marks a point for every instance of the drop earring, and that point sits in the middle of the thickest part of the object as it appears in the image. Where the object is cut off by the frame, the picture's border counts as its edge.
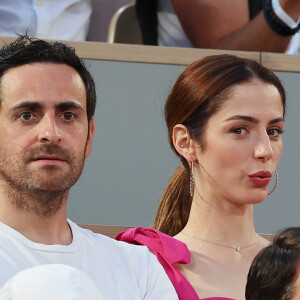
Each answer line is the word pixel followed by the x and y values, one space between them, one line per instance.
pixel 192 180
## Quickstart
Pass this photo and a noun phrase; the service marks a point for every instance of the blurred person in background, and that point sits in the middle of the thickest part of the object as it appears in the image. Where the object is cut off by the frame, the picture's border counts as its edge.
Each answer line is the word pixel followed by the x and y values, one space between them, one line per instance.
pixel 46 19
pixel 254 25
pixel 275 271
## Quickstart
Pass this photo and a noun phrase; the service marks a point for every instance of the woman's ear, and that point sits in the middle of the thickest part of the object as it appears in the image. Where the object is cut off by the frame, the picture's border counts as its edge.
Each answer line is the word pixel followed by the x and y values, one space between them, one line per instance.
pixel 183 142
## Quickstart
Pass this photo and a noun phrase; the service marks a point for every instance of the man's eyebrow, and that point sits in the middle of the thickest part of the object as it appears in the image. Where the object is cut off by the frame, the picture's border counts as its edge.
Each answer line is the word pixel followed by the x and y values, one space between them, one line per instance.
pixel 27 105
pixel 32 105
pixel 69 105
pixel 277 120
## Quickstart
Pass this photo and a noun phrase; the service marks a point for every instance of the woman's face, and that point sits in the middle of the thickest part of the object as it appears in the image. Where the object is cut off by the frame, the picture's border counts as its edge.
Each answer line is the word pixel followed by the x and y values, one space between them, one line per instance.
pixel 243 145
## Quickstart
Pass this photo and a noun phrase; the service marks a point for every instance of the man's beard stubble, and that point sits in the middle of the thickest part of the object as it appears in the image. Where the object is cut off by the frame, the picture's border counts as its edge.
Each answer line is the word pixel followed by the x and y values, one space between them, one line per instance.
pixel 31 192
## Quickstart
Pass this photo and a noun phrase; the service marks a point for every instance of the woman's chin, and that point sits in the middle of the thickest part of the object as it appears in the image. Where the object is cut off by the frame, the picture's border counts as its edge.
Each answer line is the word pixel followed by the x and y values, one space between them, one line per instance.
pixel 258 197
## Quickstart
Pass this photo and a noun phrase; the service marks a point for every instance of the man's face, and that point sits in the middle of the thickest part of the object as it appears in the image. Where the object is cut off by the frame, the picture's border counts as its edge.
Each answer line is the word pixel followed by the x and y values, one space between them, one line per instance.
pixel 43 128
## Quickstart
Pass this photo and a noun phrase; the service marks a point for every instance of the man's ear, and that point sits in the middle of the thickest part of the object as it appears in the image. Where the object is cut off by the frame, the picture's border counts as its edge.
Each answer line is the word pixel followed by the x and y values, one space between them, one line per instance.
pixel 88 149
pixel 183 142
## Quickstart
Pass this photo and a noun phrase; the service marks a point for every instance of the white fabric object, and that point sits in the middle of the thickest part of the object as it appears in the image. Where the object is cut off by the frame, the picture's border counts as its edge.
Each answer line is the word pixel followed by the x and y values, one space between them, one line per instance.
pixel 169 29
pixel 121 271
pixel 50 282
pixel 283 16
pixel 46 19
pixel 294 45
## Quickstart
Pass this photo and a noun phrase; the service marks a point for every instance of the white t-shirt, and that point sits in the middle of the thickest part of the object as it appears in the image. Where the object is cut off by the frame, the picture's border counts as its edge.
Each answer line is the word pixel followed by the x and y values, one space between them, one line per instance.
pixel 120 271
pixel 46 19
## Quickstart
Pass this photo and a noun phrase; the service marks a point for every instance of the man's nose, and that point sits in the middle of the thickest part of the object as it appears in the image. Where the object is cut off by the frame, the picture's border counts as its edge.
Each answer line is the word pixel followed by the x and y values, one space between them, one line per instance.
pixel 48 130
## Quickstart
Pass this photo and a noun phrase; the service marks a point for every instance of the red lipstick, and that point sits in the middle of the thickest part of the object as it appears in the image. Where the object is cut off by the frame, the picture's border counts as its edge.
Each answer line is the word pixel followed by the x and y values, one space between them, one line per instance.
pixel 261 178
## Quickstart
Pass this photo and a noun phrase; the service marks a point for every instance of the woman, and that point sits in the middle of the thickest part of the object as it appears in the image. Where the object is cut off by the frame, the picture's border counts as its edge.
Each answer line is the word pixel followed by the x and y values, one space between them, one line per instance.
pixel 225 117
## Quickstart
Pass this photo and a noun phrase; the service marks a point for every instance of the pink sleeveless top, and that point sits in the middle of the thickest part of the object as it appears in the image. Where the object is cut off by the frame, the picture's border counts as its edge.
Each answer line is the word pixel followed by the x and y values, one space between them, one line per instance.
pixel 169 252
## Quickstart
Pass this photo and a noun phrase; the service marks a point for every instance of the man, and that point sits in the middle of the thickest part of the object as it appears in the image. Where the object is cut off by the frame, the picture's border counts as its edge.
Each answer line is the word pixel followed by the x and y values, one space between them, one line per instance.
pixel 47 105
pixel 275 271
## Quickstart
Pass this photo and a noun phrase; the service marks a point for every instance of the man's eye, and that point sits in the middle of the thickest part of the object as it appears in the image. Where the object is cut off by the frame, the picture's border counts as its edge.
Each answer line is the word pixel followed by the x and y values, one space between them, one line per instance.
pixel 26 116
pixel 275 132
pixel 68 116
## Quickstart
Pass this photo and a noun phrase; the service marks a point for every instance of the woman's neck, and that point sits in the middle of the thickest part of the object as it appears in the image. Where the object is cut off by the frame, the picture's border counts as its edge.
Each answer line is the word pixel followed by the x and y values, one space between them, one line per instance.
pixel 221 222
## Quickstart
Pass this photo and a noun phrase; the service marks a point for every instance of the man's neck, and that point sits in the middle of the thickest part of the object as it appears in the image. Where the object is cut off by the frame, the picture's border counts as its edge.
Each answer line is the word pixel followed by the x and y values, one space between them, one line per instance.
pixel 39 228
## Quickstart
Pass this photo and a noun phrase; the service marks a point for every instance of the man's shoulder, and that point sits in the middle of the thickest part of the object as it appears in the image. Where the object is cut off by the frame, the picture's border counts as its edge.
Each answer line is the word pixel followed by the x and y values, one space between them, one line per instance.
pixel 137 262
pixel 106 243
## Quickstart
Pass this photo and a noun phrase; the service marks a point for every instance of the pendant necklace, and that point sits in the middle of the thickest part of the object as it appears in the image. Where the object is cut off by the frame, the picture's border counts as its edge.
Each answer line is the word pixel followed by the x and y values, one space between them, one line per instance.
pixel 236 248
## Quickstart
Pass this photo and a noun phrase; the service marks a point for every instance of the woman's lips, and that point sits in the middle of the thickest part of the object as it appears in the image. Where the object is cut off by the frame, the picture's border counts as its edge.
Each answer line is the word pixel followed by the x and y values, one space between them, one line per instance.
pixel 261 178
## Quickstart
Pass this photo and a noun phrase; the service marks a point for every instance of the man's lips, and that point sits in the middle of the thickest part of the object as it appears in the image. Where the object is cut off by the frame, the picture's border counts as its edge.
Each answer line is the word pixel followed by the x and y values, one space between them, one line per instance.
pixel 48 159
pixel 261 178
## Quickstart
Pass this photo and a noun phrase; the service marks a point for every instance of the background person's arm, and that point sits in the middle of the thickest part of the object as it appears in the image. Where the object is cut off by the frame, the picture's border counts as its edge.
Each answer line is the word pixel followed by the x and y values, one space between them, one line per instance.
pixel 225 24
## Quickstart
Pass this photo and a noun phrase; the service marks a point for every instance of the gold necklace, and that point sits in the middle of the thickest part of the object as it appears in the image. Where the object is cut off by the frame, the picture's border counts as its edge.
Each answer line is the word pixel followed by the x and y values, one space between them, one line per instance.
pixel 236 248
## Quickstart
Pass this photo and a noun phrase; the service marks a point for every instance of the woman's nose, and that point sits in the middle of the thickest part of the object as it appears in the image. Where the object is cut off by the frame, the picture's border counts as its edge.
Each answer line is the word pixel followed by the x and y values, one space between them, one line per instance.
pixel 263 149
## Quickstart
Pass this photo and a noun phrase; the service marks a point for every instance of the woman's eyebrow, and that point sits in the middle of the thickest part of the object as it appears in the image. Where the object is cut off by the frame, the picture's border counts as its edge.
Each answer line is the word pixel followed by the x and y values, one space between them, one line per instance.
pixel 241 117
pixel 253 120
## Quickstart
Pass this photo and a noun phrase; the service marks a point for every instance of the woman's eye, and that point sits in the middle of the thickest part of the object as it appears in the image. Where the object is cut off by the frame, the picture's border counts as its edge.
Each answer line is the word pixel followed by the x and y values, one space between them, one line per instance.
pixel 26 116
pixel 68 116
pixel 239 130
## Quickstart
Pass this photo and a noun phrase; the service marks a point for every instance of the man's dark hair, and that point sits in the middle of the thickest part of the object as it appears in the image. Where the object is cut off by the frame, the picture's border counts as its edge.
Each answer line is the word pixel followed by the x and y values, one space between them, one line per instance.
pixel 25 50
pixel 273 272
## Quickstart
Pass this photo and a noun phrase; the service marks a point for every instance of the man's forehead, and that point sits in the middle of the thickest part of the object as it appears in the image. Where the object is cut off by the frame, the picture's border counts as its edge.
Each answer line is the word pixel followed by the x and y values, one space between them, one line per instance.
pixel 40 82
pixel 41 67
